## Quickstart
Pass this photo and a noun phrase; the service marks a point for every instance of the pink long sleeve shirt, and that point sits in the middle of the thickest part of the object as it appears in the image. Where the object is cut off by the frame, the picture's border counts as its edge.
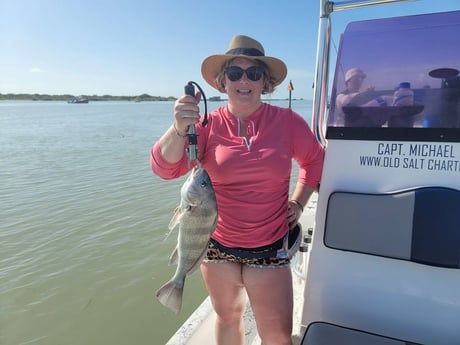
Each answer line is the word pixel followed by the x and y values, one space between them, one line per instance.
pixel 251 177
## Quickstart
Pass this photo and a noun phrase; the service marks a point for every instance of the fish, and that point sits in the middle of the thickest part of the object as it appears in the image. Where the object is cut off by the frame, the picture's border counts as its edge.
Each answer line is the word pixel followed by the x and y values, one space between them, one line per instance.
pixel 197 218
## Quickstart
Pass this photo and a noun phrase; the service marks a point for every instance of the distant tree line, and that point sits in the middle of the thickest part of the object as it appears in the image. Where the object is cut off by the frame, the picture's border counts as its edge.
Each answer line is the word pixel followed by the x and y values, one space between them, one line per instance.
pixel 43 97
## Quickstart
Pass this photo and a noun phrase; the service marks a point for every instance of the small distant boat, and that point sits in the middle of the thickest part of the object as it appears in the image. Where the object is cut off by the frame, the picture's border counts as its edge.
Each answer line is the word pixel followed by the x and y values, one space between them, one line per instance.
pixel 78 100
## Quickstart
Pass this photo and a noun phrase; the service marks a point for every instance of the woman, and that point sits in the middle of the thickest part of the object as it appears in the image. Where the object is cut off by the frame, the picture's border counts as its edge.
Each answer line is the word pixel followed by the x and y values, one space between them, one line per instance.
pixel 247 148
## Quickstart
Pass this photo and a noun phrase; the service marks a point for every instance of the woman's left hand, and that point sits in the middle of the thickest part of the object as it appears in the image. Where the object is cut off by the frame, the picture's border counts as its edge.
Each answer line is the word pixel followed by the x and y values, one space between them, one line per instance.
pixel 294 213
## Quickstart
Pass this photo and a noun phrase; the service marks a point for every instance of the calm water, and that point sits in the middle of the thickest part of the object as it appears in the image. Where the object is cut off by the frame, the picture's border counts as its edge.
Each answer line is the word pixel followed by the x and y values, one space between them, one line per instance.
pixel 83 224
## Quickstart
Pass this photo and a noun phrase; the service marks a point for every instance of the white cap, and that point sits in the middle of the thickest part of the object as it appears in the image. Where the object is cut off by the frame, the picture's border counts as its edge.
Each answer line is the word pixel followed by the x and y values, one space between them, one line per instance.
pixel 354 72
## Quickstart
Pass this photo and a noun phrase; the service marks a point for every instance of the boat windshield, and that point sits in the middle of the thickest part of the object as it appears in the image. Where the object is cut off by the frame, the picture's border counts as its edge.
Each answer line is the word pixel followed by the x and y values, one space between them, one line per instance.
pixel 398 72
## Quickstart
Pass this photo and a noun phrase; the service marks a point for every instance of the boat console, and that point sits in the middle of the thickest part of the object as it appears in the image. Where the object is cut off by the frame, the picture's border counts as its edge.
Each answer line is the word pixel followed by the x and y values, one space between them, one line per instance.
pixel 384 265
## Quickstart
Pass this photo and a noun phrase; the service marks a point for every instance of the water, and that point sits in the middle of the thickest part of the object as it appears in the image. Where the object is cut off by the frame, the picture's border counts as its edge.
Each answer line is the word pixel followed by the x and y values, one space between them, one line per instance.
pixel 83 223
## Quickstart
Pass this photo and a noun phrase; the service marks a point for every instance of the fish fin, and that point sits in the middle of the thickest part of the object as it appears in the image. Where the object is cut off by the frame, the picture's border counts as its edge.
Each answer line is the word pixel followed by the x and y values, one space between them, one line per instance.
pixel 170 296
pixel 174 258
pixel 175 218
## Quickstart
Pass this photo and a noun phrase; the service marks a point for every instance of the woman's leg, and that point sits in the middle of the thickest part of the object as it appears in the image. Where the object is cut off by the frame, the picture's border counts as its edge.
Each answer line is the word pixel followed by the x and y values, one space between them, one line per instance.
pixel 225 287
pixel 270 294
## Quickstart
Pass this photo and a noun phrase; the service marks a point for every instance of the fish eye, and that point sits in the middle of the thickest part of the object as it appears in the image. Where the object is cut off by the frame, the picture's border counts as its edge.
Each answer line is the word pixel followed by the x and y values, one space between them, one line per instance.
pixel 203 184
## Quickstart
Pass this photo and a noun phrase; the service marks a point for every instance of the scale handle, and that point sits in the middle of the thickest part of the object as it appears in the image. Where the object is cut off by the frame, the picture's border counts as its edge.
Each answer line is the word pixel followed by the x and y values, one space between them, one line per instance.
pixel 189 89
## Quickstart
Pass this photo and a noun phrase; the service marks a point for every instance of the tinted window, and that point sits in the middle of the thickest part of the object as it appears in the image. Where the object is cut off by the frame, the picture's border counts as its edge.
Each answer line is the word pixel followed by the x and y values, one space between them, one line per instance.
pixel 375 56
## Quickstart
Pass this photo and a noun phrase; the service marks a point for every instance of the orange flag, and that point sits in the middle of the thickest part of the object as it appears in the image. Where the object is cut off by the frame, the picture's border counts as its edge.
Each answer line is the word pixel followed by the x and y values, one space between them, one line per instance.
pixel 290 87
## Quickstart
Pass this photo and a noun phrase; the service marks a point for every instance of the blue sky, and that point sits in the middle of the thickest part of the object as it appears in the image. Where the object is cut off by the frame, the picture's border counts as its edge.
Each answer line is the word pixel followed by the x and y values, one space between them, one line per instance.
pixel 129 47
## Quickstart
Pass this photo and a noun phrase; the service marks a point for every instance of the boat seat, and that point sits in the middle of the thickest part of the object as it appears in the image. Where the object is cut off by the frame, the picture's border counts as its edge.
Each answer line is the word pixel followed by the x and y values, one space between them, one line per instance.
pixel 420 225
pixel 322 333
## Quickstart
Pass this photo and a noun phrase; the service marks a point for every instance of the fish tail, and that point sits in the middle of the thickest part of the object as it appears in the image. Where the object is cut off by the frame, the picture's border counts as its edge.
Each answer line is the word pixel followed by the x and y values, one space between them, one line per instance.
pixel 170 296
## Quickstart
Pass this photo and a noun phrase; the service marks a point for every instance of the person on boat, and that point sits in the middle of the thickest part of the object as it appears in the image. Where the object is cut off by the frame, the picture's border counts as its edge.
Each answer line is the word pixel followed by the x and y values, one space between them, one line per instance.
pixel 352 95
pixel 247 149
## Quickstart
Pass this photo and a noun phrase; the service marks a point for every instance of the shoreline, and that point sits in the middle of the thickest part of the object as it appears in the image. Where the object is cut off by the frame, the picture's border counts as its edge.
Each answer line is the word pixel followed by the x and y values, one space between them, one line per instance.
pixel 92 98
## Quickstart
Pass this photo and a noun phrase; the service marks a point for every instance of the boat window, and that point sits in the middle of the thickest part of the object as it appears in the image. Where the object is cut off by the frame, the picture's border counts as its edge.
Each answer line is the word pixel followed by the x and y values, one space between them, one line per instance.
pixel 398 73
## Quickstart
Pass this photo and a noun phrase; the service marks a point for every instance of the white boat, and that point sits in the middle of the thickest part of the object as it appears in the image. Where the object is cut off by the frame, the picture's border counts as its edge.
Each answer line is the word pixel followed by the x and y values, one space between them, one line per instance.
pixel 383 266
pixel 78 100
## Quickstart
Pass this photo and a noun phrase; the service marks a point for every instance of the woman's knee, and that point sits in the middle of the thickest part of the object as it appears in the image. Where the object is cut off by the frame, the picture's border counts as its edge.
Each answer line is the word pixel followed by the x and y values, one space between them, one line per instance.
pixel 229 311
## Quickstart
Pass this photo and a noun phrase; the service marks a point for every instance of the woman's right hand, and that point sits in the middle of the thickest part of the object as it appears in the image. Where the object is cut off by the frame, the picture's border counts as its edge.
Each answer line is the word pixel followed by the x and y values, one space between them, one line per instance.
pixel 186 112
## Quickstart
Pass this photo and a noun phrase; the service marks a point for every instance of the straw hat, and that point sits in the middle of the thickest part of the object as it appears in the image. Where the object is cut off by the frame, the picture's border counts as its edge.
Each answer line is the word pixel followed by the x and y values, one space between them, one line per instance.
pixel 244 47
pixel 354 72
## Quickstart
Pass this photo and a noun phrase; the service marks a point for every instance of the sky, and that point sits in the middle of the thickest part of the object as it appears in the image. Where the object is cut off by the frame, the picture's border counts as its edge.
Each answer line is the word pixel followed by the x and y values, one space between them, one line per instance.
pixel 131 47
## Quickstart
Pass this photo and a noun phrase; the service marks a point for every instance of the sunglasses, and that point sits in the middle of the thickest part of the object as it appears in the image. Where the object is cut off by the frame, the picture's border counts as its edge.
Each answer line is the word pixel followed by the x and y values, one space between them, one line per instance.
pixel 254 73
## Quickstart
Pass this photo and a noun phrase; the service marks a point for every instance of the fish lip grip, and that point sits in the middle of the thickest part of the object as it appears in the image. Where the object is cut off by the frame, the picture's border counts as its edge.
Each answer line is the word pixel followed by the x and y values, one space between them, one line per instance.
pixel 192 149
